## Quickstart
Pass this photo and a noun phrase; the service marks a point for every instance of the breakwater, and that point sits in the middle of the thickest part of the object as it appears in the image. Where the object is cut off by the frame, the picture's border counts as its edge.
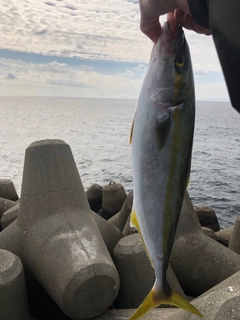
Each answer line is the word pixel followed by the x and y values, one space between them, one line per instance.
pixel 66 261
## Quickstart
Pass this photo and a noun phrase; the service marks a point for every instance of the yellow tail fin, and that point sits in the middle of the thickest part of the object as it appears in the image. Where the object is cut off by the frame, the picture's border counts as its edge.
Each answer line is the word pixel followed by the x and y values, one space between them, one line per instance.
pixel 153 300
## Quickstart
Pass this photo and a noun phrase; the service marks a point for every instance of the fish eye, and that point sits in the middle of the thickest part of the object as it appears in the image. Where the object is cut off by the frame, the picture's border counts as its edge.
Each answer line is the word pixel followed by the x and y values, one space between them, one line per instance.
pixel 180 60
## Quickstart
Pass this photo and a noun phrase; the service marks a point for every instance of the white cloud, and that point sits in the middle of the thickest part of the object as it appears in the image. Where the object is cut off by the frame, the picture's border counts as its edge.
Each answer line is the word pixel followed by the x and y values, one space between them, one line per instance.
pixel 96 30
pixel 82 80
pixel 86 29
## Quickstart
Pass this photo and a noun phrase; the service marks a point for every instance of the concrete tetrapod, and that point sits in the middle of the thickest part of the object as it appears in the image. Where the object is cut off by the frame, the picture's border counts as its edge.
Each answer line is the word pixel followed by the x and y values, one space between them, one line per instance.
pixel 224 236
pixel 13 297
pixel 119 219
pixel 198 261
pixel 56 237
pixel 110 234
pixel 222 302
pixel 234 243
pixel 113 197
pixel 94 196
pixel 7 190
pixel 136 273
pixel 125 314
pixel 9 216
pixel 5 204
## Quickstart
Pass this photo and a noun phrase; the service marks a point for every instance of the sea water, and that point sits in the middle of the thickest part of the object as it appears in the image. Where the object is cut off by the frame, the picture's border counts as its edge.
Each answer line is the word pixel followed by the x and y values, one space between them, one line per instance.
pixel 98 131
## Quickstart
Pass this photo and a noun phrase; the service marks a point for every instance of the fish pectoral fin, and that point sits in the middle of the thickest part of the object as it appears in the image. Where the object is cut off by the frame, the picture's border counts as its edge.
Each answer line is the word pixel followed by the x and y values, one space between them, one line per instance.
pixel 132 127
pixel 162 128
pixel 155 298
pixel 134 220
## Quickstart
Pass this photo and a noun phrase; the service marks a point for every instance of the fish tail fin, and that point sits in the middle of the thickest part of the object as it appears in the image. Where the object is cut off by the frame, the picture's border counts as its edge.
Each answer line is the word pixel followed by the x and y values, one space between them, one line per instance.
pixel 178 301
pixel 154 299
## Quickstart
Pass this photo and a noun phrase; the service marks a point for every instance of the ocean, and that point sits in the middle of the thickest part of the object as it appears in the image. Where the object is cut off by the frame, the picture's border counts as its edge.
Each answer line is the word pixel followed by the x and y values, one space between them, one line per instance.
pixel 98 130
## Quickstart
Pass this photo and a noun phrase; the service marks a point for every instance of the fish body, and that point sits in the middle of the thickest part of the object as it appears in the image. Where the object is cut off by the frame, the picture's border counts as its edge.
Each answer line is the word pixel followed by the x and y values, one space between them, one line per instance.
pixel 162 137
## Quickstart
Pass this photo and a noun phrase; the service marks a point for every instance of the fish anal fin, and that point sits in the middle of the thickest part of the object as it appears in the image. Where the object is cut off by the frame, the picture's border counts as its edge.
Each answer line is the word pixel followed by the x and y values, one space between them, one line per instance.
pixel 134 220
pixel 134 223
pixel 155 298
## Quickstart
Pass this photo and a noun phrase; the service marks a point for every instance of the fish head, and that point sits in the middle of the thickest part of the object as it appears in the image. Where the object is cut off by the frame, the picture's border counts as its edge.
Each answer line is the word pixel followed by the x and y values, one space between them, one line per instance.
pixel 170 69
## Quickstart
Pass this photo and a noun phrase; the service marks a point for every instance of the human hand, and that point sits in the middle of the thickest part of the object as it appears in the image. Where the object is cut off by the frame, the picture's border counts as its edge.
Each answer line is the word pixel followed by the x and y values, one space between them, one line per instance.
pixel 152 9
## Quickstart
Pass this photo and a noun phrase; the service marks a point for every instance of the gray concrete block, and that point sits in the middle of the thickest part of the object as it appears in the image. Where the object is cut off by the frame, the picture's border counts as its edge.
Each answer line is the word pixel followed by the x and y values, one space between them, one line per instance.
pixel 222 302
pixel 198 261
pixel 110 234
pixel 57 238
pixel 94 196
pixel 13 297
pixel 124 314
pixel 128 230
pixel 9 216
pixel 113 197
pixel 5 204
pixel 207 218
pixel 223 236
pixel 234 243
pixel 119 219
pixel 7 190
pixel 209 232
pixel 136 273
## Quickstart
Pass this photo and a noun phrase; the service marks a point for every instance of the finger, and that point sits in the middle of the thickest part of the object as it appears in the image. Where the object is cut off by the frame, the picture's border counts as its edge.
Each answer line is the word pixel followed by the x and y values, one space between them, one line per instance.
pixel 149 24
pixel 187 22
pixel 173 24
pixel 152 32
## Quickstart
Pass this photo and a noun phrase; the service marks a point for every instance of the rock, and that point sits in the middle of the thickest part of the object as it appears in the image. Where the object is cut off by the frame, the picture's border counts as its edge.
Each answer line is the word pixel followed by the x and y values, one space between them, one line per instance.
pixel 209 232
pixel 119 219
pixel 7 190
pixel 127 230
pixel 94 195
pixel 9 216
pixel 113 197
pixel 5 204
pixel 223 236
pixel 234 243
pixel 136 273
pixel 222 302
pixel 198 261
pixel 207 218
pixel 56 237
pixel 14 305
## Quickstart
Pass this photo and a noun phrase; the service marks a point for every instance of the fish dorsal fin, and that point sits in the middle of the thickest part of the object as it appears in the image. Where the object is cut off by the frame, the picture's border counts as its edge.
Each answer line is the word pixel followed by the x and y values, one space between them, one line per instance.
pixel 162 128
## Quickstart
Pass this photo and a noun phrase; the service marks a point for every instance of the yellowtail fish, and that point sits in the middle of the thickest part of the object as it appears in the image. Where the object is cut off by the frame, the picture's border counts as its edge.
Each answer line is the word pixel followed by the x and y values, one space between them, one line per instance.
pixel 162 137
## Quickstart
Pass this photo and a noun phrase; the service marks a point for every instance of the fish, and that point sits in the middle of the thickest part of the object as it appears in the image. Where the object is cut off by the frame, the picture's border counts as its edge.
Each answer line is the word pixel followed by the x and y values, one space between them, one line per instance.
pixel 162 138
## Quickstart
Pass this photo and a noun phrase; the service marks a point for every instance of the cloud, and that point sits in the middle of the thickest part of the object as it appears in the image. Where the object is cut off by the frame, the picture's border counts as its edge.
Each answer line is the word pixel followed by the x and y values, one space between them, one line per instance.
pixel 10 76
pixel 86 44
pixel 98 29
pixel 141 67
pixel 84 80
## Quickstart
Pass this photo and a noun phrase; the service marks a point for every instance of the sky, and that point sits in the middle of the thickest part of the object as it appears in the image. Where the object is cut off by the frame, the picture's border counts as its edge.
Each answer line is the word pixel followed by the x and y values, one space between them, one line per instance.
pixel 88 48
